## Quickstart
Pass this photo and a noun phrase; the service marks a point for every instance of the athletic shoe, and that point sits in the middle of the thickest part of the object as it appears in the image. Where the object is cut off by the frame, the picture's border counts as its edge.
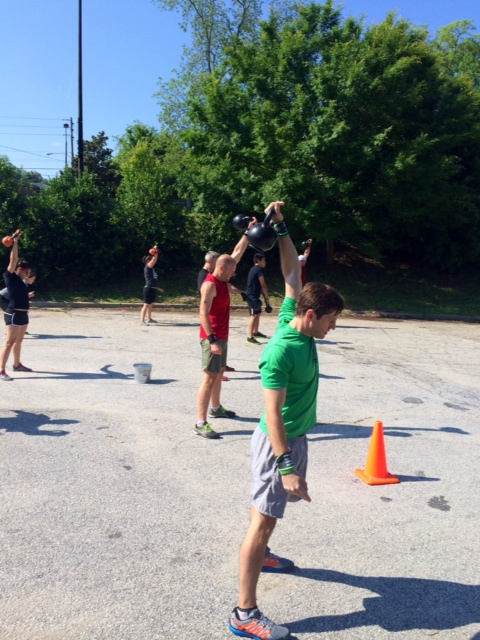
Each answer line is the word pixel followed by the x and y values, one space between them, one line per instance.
pixel 253 341
pixel 275 564
pixel 221 412
pixel 152 321
pixel 21 367
pixel 227 368
pixel 5 377
pixel 206 431
pixel 257 626
pixel 225 379
pixel 259 335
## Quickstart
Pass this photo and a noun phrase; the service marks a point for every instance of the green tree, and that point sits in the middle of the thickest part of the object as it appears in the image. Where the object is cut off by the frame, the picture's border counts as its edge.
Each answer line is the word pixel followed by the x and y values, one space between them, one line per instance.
pixel 355 127
pixel 71 237
pixel 149 207
pixel 99 162
pixel 212 24
pixel 133 135
pixel 13 201
pixel 459 50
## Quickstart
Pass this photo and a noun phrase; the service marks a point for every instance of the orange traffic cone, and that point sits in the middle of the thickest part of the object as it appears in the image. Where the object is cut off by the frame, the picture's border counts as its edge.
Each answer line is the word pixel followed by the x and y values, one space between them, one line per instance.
pixel 376 468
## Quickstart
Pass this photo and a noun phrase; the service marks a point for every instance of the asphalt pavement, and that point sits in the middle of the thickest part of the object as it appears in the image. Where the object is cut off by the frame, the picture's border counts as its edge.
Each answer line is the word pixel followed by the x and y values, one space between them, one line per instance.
pixel 118 522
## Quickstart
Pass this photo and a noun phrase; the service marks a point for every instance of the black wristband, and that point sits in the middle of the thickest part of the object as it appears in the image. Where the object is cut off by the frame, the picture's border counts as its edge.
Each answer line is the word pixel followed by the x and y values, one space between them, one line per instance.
pixel 212 338
pixel 281 229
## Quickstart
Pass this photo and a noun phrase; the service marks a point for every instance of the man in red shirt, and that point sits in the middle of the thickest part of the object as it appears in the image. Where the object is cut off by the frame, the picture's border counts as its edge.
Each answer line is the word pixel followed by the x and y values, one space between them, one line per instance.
pixel 214 326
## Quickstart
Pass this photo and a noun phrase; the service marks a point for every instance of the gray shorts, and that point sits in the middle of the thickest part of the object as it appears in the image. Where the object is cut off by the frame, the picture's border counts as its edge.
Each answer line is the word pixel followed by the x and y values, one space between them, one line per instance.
pixel 211 363
pixel 267 494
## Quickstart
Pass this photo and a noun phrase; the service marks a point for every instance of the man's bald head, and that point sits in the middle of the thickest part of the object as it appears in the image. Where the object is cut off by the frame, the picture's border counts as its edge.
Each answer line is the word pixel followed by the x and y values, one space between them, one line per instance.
pixel 225 267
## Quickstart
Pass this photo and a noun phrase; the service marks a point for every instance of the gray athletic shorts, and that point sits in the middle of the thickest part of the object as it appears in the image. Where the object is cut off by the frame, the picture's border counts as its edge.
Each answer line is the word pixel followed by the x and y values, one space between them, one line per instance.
pixel 267 494
pixel 212 363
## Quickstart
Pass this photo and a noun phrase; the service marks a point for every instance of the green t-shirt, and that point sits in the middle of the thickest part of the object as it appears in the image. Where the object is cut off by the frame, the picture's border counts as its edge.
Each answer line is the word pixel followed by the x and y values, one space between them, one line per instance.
pixel 290 361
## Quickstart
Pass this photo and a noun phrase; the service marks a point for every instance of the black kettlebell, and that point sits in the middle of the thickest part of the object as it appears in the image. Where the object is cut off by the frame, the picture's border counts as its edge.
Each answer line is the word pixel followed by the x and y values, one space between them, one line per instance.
pixel 241 222
pixel 261 236
pixel 306 244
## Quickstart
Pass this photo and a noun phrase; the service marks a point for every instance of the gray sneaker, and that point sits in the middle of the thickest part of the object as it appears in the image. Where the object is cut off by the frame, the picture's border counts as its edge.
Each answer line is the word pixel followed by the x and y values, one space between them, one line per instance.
pixel 206 431
pixel 5 377
pixel 257 626
pixel 221 412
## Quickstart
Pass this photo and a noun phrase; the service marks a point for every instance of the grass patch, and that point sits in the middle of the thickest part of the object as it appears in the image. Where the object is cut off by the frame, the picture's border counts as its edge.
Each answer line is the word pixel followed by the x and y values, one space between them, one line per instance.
pixel 365 285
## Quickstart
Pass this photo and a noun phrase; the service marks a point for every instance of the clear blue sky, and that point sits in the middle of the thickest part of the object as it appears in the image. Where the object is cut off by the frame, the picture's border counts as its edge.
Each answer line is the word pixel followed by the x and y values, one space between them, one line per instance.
pixel 127 46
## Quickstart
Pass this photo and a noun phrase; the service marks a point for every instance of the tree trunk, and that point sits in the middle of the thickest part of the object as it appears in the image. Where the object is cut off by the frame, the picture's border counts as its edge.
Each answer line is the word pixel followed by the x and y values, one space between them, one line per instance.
pixel 330 245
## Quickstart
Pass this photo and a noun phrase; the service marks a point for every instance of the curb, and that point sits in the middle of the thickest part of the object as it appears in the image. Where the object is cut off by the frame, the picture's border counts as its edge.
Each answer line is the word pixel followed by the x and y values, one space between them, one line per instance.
pixel 356 313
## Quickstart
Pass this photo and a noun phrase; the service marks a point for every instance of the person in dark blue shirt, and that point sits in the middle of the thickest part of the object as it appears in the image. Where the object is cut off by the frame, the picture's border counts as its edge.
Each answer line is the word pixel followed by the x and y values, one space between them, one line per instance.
pixel 256 286
pixel 151 286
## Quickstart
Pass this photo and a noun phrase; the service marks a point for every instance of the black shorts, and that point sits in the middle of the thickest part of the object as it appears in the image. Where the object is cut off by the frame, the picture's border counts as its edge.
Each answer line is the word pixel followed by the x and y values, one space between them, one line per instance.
pixel 16 318
pixel 254 305
pixel 149 295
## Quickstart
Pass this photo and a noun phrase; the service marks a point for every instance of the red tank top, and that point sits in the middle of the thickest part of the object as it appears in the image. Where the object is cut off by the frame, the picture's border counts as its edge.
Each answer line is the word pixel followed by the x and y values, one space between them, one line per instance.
pixel 219 315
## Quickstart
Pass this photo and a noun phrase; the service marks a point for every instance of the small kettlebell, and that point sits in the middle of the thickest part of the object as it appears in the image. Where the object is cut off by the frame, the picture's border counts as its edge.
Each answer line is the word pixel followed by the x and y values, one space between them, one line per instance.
pixel 261 236
pixel 8 240
pixel 241 222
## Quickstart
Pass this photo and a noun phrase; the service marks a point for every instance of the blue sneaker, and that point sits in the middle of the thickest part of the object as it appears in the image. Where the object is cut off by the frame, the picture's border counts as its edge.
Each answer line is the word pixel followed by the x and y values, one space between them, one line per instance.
pixel 257 626
pixel 275 564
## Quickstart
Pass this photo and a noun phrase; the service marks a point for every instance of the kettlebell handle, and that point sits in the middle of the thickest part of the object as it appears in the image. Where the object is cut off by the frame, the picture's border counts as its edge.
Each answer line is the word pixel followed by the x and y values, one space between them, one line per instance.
pixel 268 218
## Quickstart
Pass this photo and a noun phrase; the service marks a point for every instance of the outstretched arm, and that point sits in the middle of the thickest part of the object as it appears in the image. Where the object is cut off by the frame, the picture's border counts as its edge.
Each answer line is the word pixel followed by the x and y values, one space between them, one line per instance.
pixel 306 253
pixel 14 254
pixel 242 244
pixel 288 256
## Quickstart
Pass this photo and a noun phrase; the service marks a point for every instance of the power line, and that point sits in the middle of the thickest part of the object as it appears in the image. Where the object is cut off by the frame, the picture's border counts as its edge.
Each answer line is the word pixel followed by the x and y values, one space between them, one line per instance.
pixel 23 151
pixel 30 126
pixel 25 118
pixel 4 133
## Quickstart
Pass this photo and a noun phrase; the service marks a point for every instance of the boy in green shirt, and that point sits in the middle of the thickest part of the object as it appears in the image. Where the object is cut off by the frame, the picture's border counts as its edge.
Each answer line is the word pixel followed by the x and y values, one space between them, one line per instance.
pixel 289 372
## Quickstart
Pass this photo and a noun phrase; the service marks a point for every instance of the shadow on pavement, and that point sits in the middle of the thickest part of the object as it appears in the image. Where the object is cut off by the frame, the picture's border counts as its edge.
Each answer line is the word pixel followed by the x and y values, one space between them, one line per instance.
pixel 236 433
pixel 350 431
pixel 30 423
pixel 403 604
pixel 46 336
pixel 106 374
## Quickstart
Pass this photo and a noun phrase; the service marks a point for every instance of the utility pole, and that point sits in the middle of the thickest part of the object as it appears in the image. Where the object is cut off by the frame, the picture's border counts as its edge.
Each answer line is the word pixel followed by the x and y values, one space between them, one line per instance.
pixel 65 126
pixel 80 91
pixel 71 138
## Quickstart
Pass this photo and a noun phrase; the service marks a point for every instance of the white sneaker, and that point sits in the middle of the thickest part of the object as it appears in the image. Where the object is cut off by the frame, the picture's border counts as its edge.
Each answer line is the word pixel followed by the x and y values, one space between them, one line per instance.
pixel 4 376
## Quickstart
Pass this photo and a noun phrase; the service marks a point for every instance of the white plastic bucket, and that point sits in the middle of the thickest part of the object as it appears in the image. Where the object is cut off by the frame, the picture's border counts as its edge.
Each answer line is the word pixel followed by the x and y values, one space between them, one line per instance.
pixel 141 373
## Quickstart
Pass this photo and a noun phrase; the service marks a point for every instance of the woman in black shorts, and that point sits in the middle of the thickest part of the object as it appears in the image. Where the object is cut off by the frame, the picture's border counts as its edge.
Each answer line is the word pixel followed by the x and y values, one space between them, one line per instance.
pixel 151 286
pixel 16 314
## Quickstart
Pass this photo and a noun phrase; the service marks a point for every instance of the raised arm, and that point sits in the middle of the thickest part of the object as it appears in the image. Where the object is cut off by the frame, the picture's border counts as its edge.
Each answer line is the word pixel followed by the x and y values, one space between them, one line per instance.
pixel 14 253
pixel 242 244
pixel 306 253
pixel 153 260
pixel 288 254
